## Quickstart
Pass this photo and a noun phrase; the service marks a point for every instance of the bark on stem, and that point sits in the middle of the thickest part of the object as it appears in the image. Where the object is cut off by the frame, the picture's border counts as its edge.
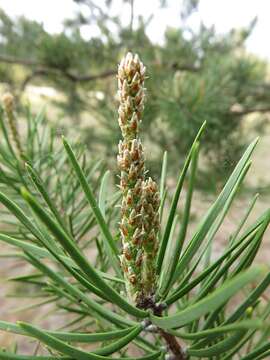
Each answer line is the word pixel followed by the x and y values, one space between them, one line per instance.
pixel 171 341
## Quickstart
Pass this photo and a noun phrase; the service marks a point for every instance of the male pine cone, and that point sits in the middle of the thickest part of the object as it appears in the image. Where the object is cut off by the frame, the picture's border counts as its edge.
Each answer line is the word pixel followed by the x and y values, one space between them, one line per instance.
pixel 139 224
pixel 8 104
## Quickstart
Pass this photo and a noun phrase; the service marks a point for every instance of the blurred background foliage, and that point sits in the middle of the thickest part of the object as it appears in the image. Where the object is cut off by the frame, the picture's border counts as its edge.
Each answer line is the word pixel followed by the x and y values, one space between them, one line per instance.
pixel 193 76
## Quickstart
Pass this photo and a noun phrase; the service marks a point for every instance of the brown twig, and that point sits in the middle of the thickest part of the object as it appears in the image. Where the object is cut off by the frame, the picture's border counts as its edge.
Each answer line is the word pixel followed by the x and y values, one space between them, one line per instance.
pixel 171 341
pixel 173 345
pixel 69 76
pixel 43 70
pixel 12 60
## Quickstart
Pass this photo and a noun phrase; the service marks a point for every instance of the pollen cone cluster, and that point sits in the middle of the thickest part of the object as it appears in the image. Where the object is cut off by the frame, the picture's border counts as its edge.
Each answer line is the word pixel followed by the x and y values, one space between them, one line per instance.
pixel 140 202
pixel 8 104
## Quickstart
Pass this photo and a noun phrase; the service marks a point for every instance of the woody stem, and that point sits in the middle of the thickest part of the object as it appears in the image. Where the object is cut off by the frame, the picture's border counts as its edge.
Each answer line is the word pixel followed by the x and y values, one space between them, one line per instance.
pixel 173 345
pixel 171 341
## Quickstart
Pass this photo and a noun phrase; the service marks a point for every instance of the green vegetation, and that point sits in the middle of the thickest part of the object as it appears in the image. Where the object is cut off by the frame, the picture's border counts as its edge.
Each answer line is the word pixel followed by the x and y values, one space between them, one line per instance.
pixel 60 215
pixel 195 76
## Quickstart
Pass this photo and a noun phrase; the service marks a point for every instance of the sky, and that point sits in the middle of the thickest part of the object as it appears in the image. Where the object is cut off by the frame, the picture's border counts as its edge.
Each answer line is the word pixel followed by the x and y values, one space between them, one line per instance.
pixel 224 14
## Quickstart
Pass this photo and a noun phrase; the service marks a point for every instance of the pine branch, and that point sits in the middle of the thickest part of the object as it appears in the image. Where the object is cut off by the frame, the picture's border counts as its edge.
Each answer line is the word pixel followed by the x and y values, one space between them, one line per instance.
pixel 43 70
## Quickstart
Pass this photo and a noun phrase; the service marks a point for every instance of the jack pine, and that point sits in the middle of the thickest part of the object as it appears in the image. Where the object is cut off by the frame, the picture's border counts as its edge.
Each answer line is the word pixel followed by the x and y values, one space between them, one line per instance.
pixel 139 209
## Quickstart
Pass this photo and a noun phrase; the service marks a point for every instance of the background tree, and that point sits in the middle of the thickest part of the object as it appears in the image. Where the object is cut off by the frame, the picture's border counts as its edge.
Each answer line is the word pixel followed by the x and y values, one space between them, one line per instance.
pixel 195 76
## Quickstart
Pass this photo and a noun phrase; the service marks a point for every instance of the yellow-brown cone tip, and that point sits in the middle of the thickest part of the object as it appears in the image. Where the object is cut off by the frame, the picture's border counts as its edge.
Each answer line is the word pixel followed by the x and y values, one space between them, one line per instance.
pixel 8 101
